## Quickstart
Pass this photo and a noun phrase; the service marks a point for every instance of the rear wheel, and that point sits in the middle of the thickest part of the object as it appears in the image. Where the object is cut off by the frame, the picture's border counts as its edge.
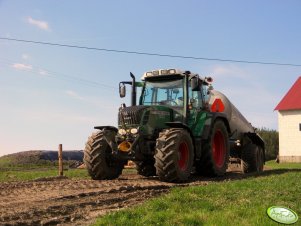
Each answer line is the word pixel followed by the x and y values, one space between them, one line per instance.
pixel 98 159
pixel 174 155
pixel 215 154
pixel 252 159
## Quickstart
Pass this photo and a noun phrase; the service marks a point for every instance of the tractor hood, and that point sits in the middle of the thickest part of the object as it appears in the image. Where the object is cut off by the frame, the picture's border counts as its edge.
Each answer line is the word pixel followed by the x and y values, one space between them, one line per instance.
pixel 148 117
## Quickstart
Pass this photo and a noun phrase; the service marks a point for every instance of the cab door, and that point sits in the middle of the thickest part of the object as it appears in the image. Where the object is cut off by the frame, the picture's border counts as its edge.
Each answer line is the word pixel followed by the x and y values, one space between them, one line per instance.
pixel 197 110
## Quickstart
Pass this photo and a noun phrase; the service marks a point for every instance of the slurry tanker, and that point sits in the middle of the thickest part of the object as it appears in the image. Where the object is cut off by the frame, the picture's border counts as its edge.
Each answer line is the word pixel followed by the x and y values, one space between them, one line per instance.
pixel 179 126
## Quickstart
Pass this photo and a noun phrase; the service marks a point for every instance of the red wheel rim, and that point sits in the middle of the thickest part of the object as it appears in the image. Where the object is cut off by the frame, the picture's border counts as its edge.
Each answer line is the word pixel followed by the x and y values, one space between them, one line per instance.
pixel 219 148
pixel 183 156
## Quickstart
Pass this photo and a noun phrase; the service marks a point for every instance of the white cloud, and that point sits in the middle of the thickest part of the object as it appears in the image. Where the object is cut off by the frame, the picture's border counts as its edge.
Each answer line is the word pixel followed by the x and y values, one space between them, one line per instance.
pixel 220 70
pixel 226 72
pixel 22 67
pixel 25 56
pixel 43 72
pixel 39 23
pixel 73 95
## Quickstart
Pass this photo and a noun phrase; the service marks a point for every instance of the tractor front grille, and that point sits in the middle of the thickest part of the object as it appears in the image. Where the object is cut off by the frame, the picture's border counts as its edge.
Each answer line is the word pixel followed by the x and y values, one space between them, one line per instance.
pixel 130 115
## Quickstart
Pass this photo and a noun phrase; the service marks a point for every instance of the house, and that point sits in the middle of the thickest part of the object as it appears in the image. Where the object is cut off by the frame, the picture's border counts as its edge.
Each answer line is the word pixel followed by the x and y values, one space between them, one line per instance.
pixel 289 124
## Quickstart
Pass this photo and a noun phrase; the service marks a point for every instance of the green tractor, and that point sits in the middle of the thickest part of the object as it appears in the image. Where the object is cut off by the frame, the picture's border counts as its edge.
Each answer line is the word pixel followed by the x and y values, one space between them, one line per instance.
pixel 180 126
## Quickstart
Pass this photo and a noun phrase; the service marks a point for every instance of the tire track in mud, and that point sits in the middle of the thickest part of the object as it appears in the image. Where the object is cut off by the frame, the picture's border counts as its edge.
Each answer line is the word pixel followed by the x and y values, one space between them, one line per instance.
pixel 78 202
pixel 71 202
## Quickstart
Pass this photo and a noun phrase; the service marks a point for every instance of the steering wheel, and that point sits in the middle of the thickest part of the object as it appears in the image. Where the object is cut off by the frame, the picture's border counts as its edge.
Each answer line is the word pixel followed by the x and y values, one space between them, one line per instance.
pixel 172 102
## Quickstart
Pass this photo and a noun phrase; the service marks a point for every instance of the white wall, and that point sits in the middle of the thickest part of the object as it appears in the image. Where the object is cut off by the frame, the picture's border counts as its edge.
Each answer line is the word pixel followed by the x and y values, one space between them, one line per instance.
pixel 289 136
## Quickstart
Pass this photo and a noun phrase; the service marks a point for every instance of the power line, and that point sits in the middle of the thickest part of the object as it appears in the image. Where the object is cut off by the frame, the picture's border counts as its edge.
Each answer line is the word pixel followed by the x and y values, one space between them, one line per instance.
pixel 150 54
pixel 49 73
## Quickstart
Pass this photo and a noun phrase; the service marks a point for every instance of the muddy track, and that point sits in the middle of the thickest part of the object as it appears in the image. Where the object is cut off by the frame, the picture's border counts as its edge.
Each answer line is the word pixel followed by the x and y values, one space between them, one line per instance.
pixel 77 202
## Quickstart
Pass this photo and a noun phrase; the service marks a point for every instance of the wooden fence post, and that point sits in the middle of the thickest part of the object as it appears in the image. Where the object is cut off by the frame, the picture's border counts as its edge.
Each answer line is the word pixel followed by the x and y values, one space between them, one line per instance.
pixel 60 157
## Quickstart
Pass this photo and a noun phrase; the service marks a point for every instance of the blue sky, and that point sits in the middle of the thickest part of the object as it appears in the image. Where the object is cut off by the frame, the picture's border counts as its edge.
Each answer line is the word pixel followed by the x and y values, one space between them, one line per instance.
pixel 52 95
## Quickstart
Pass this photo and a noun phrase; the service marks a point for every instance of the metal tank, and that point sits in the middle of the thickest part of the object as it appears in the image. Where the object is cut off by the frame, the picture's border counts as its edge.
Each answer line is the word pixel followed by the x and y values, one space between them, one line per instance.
pixel 238 123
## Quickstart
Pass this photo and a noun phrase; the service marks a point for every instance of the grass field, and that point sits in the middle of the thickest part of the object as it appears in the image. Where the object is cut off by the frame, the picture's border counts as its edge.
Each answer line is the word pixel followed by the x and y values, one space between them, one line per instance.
pixel 232 202
pixel 12 170
pixel 37 173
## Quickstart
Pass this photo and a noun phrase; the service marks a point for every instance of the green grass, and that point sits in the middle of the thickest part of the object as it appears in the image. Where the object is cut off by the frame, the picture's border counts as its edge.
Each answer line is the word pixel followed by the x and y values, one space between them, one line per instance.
pixel 5 161
pixel 17 168
pixel 272 164
pixel 8 163
pixel 35 171
pixel 234 202
pixel 20 175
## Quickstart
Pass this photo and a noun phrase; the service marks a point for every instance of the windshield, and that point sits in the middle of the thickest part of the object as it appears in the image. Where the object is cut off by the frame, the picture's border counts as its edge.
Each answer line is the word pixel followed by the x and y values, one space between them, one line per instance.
pixel 163 92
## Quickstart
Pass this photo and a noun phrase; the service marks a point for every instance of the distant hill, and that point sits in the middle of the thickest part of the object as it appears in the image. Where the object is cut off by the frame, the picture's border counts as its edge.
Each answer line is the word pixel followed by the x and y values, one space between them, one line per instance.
pixel 67 155
pixel 40 157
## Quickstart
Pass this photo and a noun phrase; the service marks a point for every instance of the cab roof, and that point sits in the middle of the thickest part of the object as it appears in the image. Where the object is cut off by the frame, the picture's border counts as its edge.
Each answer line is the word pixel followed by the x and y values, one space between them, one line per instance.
pixel 165 73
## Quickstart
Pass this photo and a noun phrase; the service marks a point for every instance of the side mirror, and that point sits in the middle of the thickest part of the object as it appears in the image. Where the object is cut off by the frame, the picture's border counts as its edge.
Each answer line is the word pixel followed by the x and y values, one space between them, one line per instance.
pixel 194 83
pixel 122 90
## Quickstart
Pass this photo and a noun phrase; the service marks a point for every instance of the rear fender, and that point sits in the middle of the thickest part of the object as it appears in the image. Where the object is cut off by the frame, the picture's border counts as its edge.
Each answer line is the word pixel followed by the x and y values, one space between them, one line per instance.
pixel 179 125
pixel 109 133
pixel 210 122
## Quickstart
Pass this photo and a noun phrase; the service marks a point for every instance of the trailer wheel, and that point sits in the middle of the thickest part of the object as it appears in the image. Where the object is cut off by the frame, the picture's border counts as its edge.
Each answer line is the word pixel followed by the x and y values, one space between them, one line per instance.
pixel 215 154
pixel 252 159
pixel 98 160
pixel 146 168
pixel 174 155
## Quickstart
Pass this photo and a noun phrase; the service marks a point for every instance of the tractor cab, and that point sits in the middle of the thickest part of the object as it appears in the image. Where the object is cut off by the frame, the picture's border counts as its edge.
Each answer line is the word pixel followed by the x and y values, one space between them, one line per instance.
pixel 182 91
pixel 174 88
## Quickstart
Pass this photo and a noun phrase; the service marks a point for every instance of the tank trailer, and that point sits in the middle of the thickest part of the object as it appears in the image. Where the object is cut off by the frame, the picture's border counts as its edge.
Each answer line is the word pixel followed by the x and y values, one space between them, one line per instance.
pixel 180 126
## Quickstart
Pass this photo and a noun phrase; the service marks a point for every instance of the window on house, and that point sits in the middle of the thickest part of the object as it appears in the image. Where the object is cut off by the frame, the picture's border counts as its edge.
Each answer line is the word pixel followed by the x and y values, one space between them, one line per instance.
pixel 299 126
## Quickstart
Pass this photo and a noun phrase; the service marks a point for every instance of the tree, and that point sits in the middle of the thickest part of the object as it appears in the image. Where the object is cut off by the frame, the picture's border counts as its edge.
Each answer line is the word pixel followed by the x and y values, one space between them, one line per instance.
pixel 271 139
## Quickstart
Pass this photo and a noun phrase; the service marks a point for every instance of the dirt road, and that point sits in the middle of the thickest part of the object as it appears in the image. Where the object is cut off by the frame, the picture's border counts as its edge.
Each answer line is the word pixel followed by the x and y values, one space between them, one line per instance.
pixel 76 202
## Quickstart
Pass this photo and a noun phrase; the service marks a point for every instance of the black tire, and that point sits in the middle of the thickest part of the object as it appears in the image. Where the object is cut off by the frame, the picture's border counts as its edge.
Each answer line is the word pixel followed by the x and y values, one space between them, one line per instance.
pixel 98 160
pixel 174 155
pixel 146 168
pixel 215 154
pixel 252 159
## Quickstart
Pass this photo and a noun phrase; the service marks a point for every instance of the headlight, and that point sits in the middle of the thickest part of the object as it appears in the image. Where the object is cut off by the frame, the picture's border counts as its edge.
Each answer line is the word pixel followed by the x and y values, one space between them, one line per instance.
pixel 164 72
pixel 134 131
pixel 122 131
pixel 148 74
pixel 172 71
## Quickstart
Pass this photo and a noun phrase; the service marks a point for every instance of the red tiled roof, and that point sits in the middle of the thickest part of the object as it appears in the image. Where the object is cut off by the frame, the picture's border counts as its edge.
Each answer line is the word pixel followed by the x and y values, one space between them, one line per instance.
pixel 291 100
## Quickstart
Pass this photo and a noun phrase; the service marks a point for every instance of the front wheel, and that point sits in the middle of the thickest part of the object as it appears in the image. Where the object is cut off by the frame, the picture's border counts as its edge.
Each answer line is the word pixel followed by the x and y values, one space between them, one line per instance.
pixel 174 155
pixel 98 159
pixel 215 154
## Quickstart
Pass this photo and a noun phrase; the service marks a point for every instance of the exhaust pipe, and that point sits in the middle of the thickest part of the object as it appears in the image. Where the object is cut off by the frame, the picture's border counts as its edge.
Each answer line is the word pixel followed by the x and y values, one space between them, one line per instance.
pixel 133 89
